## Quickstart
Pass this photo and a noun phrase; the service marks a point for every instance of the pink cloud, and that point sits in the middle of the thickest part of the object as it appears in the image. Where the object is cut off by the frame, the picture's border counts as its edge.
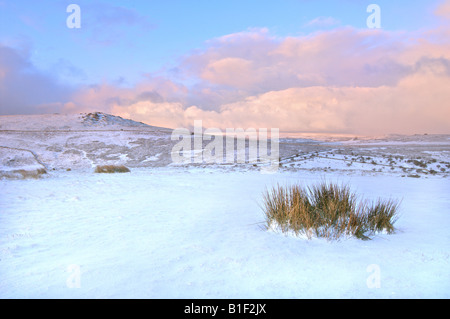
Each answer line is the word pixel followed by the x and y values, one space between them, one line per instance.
pixel 342 80
pixel 224 72
pixel 443 10
pixel 258 62
pixel 415 105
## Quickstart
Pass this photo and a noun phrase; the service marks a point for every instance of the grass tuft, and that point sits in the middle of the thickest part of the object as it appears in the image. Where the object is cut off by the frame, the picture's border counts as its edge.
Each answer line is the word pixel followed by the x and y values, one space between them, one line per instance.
pixel 327 210
pixel 112 169
pixel 23 174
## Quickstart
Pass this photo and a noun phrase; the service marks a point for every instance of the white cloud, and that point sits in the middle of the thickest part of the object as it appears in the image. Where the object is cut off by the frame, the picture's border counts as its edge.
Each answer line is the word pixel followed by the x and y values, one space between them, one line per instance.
pixel 322 22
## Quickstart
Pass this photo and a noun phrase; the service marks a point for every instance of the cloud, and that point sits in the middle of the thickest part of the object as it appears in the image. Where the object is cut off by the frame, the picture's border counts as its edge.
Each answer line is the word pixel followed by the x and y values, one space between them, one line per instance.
pixel 105 24
pixel 343 79
pixel 416 104
pixel 107 97
pixel 25 89
pixel 443 10
pixel 224 72
pixel 321 22
pixel 257 62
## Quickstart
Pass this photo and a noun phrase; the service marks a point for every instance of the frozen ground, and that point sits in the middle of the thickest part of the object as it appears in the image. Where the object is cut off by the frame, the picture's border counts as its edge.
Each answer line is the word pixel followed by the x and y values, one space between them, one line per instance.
pixel 166 231
pixel 175 233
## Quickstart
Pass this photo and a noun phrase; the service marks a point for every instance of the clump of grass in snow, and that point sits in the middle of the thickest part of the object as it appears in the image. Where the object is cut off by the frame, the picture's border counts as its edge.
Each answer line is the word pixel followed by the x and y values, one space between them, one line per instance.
pixel 23 174
pixel 382 214
pixel 111 169
pixel 327 210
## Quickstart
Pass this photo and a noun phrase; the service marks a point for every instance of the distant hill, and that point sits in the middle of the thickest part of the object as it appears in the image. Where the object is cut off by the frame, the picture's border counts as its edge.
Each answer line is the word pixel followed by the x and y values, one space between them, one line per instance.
pixel 30 144
pixel 62 122
pixel 33 144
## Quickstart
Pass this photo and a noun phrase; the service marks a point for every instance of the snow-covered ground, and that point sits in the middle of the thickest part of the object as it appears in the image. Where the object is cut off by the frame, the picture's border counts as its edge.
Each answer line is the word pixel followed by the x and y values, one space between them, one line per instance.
pixel 176 233
pixel 165 231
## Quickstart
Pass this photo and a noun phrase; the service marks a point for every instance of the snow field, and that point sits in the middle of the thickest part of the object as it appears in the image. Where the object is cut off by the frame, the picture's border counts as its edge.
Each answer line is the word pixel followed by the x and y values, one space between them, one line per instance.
pixel 198 233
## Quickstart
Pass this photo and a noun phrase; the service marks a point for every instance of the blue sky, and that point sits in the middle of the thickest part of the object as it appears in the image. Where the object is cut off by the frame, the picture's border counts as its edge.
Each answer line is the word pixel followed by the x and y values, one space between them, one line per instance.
pixel 171 62
pixel 152 35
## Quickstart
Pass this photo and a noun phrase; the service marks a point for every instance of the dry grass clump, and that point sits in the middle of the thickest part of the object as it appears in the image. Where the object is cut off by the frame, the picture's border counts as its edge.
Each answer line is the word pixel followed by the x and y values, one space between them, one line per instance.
pixel 327 210
pixel 112 169
pixel 23 174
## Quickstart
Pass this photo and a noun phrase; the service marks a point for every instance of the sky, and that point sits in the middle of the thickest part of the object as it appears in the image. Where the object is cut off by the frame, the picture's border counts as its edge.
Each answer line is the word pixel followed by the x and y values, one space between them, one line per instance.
pixel 296 65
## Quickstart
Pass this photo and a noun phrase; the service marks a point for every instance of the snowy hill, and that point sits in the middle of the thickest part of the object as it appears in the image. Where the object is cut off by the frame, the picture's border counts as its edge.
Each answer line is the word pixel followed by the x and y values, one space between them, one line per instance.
pixel 32 144
pixel 67 122
pixel 79 141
